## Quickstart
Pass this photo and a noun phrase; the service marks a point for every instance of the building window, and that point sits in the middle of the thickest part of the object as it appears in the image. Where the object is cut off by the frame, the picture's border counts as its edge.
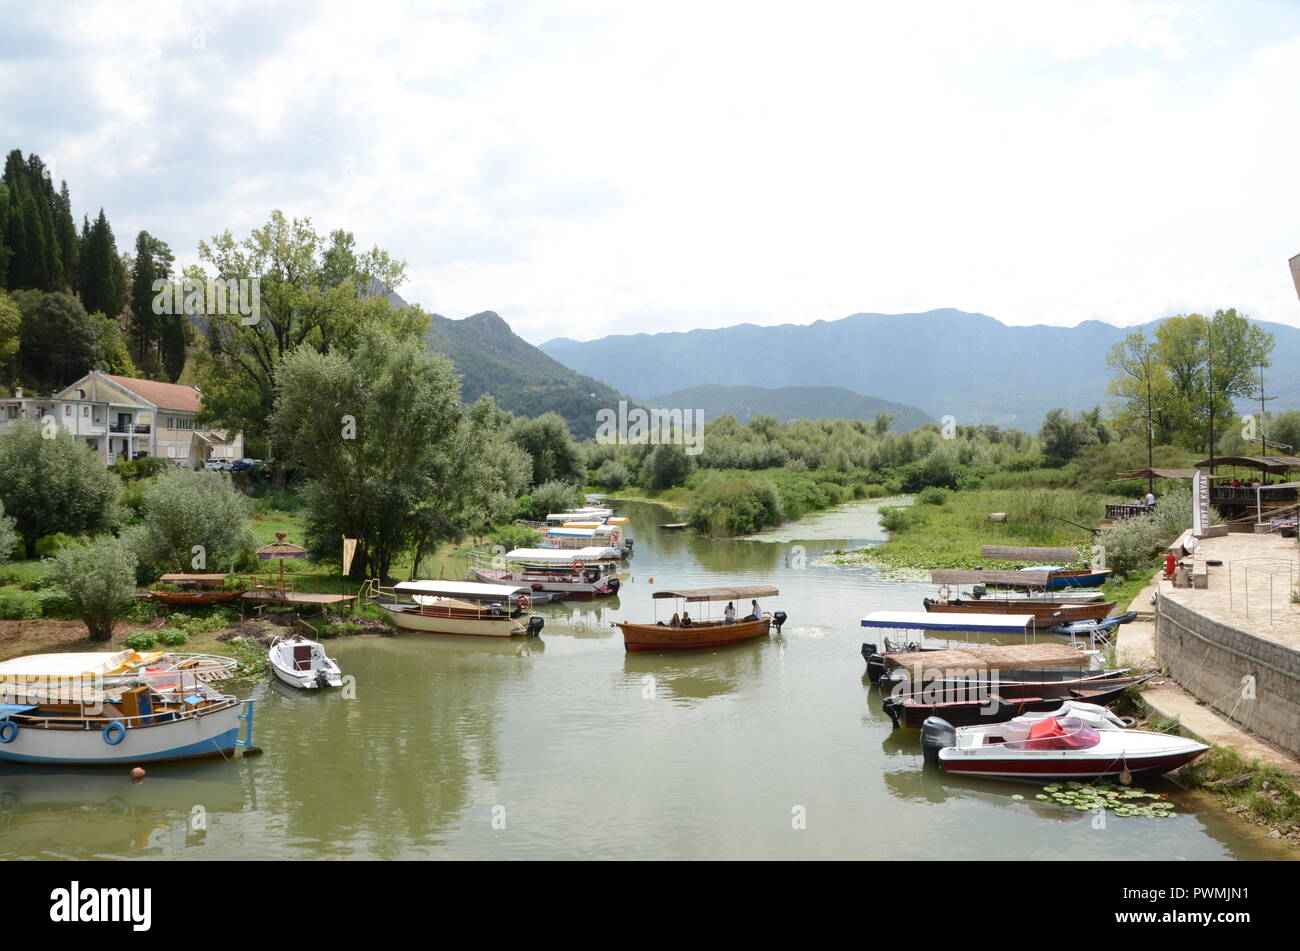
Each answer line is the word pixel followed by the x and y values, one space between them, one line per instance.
pixel 67 411
pixel 85 411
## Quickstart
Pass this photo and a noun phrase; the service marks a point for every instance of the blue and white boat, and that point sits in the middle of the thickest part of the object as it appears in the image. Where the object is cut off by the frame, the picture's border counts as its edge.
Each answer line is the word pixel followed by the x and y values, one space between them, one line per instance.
pixel 1061 577
pixel 118 708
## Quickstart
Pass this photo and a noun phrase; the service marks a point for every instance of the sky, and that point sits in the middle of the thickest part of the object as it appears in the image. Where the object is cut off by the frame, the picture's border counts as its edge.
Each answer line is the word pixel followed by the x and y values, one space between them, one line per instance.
pixel 587 168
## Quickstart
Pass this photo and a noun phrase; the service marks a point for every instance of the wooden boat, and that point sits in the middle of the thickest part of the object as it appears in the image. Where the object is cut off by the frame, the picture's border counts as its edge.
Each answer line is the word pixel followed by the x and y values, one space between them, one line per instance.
pixel 303 663
pixel 912 710
pixel 198 590
pixel 457 607
pixel 702 633
pixel 574 573
pixel 1072 577
pixel 118 707
pixel 1045 614
pixel 1078 746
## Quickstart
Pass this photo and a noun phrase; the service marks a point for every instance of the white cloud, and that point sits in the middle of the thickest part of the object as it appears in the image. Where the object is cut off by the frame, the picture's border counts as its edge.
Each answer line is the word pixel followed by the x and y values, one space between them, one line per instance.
pixel 585 168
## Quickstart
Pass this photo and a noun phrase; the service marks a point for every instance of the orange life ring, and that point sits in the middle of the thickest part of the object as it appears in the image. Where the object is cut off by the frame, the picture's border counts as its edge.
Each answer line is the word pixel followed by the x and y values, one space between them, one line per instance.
pixel 613 536
pixel 579 565
pixel 944 592
pixel 525 602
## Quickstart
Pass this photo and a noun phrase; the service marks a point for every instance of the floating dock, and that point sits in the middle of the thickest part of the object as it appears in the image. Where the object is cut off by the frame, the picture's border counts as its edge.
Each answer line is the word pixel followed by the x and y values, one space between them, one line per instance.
pixel 926 621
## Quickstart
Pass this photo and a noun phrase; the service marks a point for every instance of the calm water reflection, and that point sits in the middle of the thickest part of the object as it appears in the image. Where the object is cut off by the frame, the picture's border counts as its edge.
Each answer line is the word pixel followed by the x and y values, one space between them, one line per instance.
pixel 576 748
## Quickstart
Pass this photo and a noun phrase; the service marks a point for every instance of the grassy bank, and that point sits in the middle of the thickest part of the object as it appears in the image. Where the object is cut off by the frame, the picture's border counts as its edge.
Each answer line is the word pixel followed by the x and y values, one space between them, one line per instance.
pixel 1252 790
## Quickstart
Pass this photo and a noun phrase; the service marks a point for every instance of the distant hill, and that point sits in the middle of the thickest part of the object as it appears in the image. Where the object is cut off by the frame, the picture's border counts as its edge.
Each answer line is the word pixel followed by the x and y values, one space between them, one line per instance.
pixel 789 402
pixel 946 361
pixel 521 378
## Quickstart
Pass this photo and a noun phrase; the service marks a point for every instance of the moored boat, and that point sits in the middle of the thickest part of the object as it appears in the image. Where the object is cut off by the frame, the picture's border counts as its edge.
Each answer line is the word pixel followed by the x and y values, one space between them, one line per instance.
pixel 118 707
pixel 1060 577
pixel 680 634
pixel 195 590
pixel 1045 614
pixel 574 573
pixel 457 607
pixel 913 709
pixel 303 663
pixel 1051 747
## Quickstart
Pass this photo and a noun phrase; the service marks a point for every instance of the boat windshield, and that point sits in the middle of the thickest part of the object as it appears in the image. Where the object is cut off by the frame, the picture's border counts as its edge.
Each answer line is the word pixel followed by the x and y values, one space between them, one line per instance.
pixel 1058 733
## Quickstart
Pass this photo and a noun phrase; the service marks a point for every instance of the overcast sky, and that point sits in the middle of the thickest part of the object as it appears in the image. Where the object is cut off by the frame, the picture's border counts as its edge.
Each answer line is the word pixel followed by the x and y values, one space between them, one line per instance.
pixel 591 168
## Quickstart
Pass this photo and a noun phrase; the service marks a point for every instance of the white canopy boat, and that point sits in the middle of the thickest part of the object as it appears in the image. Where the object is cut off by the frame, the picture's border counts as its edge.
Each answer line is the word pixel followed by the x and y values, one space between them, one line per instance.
pixel 118 707
pixel 579 572
pixel 1080 745
pixel 303 663
pixel 457 607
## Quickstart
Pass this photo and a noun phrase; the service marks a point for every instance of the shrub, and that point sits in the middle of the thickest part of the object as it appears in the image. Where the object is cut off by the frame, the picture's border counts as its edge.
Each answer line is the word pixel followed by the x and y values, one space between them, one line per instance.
pixel 18 606
pixel 8 539
pixel 171 637
pixel 514 536
pixel 183 509
pixel 99 578
pixel 56 603
pixel 612 474
pixel 133 469
pixel 547 498
pixel 140 641
pixel 735 505
pixel 933 496
pixel 51 545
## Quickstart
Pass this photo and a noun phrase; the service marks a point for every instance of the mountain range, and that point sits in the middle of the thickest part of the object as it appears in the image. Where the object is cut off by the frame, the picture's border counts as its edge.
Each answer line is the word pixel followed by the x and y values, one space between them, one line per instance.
pixel 789 402
pixel 948 362
pixel 491 358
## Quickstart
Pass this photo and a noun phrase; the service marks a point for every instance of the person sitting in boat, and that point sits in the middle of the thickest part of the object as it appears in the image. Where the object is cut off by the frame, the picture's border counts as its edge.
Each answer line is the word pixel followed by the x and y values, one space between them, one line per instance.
pixel 729 615
pixel 757 615
pixel 686 619
pixel 676 621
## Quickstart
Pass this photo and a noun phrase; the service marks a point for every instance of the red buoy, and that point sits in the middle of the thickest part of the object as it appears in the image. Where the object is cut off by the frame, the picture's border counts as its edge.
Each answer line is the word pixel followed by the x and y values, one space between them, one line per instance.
pixel 137 773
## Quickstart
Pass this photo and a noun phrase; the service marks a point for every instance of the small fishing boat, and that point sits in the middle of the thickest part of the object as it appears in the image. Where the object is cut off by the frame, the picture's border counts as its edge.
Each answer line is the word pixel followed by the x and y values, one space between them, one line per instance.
pixel 118 707
pixel 913 709
pixel 1051 747
pixel 303 663
pixel 574 573
pixel 185 590
pixel 457 607
pixel 684 632
pixel 1045 613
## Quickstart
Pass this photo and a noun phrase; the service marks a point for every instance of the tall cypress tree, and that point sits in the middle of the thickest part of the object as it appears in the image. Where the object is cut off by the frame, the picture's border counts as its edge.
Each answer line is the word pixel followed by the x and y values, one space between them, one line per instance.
pixel 65 231
pixel 103 276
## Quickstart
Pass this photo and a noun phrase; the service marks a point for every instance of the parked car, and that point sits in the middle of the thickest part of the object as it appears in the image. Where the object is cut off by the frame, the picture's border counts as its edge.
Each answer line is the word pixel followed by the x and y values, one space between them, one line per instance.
pixel 216 465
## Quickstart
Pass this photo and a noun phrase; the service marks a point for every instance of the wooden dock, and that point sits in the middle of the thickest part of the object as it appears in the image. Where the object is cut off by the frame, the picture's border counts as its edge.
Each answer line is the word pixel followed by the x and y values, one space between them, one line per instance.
pixel 305 598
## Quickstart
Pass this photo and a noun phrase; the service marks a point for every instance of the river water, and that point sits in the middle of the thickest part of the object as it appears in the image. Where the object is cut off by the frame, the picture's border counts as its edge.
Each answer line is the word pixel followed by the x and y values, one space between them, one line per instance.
pixel 569 747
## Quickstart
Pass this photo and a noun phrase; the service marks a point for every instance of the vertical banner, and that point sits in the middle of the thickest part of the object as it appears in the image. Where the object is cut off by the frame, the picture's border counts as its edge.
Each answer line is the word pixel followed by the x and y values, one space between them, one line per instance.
pixel 1200 503
pixel 349 549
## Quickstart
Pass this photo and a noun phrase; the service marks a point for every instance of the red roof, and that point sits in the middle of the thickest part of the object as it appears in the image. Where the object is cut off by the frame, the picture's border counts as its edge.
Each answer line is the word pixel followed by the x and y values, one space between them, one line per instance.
pixel 163 395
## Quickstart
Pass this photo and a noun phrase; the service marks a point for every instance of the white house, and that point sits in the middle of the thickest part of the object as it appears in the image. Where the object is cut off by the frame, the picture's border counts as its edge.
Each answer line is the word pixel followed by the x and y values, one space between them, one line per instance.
pixel 122 417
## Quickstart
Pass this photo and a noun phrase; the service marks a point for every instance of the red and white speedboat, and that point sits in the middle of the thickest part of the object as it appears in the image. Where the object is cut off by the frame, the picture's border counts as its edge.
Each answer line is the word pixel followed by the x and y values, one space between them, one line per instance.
pixel 1082 745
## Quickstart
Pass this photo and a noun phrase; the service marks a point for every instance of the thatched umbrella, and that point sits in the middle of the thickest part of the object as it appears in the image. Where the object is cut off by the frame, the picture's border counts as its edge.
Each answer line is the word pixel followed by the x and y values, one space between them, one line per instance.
pixel 281 549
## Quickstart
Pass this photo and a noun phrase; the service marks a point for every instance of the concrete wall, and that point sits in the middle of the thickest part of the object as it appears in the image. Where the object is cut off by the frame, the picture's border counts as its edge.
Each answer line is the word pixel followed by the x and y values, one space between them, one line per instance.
pixel 1209 658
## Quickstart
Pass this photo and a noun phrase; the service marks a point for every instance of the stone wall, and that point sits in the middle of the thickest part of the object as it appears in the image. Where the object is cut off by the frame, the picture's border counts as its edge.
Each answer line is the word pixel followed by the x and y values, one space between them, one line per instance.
pixel 1209 658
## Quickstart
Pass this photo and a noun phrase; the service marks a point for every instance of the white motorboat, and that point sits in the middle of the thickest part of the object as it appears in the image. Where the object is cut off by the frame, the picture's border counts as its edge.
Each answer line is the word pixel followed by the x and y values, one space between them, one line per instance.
pixel 303 663
pixel 1079 743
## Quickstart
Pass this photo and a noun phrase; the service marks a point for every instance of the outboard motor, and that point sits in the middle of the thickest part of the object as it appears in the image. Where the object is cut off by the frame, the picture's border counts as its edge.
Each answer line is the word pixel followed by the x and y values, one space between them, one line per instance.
pixel 936 734
pixel 778 618
pixel 875 663
pixel 535 625
pixel 893 707
pixel 614 584
pixel 978 591
pixel 322 679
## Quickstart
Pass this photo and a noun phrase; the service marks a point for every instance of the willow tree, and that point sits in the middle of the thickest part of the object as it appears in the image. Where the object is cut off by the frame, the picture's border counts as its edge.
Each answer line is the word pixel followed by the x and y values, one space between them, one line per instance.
pixel 390 455
pixel 314 292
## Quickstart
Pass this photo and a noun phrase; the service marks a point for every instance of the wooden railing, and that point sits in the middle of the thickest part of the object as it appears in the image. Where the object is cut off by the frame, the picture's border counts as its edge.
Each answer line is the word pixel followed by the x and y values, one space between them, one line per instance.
pixel 1119 511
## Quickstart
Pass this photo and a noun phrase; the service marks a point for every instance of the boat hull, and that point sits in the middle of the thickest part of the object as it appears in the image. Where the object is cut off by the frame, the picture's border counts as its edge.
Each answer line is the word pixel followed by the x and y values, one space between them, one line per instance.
pixel 196 737
pixel 654 637
pixel 1062 766
pixel 1045 615
pixel 193 598
pixel 1076 578
pixel 424 621
pixel 912 712
pixel 570 589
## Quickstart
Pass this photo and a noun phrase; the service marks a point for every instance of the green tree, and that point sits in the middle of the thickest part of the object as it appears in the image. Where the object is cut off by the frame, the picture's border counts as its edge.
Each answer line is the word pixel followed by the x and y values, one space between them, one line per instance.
pixel 60 342
pixel 314 292
pixel 1285 430
pixel 1064 436
pixel 554 453
pixel 103 283
pixel 376 432
pixel 180 510
pixel 99 579
pixel 54 484
pixel 152 262
pixel 667 465
pixel 8 541
pixel 11 326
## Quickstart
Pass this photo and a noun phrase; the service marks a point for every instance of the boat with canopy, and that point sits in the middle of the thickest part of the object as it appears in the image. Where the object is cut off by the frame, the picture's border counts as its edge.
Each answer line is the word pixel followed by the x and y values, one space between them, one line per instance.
pixel 457 607
pixel 681 633
pixel 574 573
pixel 118 707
